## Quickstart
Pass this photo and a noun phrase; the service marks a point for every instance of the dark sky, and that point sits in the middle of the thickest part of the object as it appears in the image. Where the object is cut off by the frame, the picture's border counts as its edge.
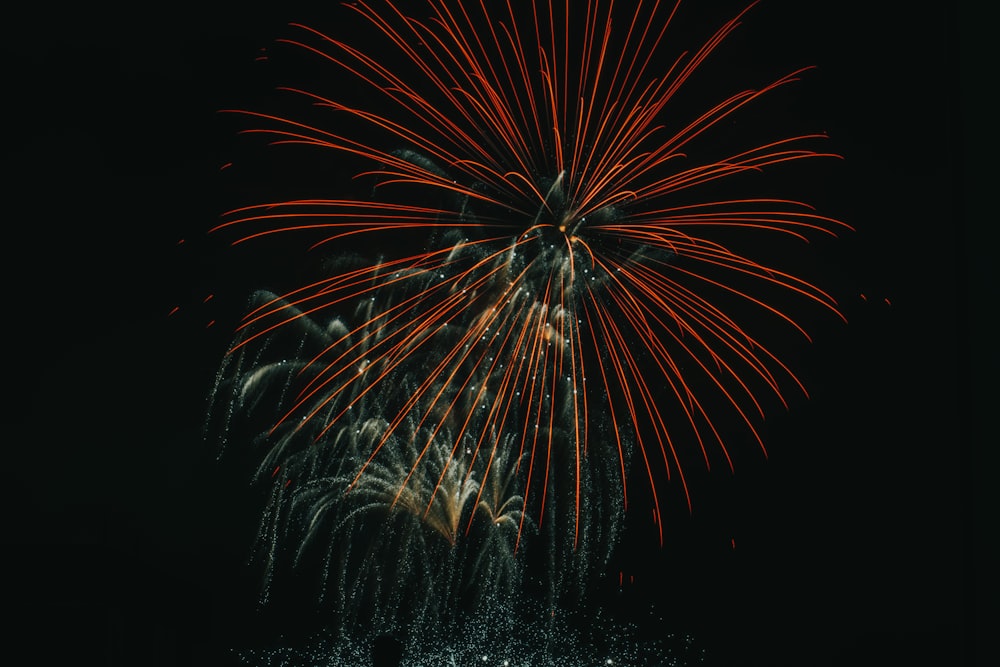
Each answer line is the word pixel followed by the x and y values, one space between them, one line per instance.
pixel 126 541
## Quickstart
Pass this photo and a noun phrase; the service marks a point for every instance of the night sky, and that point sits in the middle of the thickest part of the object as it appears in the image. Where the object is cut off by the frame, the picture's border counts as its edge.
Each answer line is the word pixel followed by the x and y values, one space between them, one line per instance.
pixel 125 540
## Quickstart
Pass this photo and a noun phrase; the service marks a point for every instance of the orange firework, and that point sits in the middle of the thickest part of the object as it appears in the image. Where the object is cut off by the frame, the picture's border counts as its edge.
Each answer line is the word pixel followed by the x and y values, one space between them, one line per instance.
pixel 569 275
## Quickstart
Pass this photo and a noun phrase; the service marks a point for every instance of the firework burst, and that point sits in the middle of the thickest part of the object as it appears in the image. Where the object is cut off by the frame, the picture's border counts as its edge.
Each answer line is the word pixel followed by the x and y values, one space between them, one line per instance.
pixel 562 268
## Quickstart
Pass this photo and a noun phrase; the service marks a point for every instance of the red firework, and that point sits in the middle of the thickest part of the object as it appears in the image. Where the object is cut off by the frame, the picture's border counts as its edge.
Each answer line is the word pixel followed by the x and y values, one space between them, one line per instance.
pixel 566 238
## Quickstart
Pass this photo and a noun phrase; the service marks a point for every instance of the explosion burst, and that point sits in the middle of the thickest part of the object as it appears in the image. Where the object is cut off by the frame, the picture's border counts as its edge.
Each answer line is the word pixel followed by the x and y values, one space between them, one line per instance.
pixel 567 267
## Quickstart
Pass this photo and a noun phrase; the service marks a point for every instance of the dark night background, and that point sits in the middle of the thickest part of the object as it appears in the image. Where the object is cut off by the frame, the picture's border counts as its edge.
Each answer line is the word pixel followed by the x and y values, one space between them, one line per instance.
pixel 862 540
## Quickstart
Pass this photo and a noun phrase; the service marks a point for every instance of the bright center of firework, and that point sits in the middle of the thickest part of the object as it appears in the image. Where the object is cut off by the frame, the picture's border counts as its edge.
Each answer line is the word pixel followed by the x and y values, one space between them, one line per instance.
pixel 569 225
pixel 556 212
pixel 554 234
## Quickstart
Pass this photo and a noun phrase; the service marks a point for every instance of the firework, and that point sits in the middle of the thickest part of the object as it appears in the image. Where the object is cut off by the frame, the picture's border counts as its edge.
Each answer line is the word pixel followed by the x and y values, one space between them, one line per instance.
pixel 557 290
pixel 564 231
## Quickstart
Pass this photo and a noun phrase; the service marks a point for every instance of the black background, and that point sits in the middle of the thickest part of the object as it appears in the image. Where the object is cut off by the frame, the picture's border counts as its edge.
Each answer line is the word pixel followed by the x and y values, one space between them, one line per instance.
pixel 125 541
